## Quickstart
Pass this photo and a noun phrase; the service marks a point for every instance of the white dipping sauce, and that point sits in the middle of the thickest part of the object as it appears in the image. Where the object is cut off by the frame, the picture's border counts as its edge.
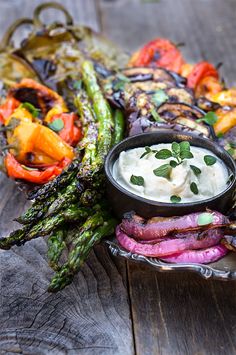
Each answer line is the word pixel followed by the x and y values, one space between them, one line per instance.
pixel 210 182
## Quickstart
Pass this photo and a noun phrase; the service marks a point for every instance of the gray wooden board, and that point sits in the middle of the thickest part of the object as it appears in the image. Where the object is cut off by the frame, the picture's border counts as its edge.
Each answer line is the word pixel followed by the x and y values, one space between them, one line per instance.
pixel 171 314
pixel 90 317
pixel 179 313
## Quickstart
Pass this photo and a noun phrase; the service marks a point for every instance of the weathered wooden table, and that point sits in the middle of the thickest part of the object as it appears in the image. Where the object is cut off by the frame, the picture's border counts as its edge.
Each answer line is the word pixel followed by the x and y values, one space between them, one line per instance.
pixel 114 307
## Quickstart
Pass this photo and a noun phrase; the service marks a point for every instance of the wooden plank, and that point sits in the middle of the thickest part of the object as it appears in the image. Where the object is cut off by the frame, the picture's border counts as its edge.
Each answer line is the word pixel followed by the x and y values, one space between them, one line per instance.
pixel 179 313
pixel 92 316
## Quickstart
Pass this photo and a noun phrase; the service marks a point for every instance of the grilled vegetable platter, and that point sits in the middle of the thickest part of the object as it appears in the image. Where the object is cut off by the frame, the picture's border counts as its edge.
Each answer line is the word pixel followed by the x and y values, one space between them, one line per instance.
pixel 67 96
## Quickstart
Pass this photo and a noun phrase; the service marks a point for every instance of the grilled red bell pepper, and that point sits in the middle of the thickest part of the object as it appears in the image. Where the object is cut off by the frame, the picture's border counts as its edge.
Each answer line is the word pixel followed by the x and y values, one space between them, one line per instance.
pixel 159 52
pixel 8 108
pixel 17 171
pixel 70 133
pixel 199 72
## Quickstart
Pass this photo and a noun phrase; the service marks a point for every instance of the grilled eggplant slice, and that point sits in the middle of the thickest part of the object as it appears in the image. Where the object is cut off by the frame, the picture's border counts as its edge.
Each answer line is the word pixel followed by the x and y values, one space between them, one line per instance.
pixel 178 116
pixel 185 115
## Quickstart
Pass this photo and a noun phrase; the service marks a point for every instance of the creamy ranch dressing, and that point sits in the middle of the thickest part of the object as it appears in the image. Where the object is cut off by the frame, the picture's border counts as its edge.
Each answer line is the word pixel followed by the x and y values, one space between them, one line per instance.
pixel 211 181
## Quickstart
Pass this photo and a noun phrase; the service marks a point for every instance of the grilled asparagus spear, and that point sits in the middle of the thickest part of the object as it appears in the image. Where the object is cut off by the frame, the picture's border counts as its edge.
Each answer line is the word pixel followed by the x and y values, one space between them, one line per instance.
pixel 45 226
pixel 56 245
pixel 119 127
pixel 77 256
pixel 102 111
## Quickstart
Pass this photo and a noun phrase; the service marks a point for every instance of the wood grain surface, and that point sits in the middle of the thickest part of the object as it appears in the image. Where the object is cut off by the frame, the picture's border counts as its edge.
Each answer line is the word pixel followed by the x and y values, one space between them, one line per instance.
pixel 114 308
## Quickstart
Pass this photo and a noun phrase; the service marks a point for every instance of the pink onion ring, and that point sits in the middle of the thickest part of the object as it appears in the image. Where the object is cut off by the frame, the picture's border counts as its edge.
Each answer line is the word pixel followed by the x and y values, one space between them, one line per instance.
pixel 159 227
pixel 204 256
pixel 168 247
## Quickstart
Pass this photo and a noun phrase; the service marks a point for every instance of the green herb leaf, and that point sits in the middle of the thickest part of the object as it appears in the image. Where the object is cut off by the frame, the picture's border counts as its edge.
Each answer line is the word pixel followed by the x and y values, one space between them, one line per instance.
pixel 107 86
pixel 156 116
pixel 163 171
pixel 209 118
pixel 123 77
pixel 137 180
pixel 173 163
pixel 77 85
pixel 159 97
pixel 175 148
pixel 231 151
pixel 186 155
pixel 175 199
pixel 147 151
pixel 31 108
pixel 184 146
pixel 209 160
pixel 195 170
pixel 220 135
pixel 56 125
pixel 119 85
pixel 205 219
pixel 194 188
pixel 163 154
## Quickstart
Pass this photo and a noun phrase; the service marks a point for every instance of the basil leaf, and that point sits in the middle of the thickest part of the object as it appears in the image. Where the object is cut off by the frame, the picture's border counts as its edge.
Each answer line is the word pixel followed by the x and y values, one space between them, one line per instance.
pixel 209 118
pixel 205 218
pixel 163 171
pixel 147 151
pixel 209 160
pixel 137 180
pixel 175 148
pixel 31 108
pixel 175 199
pixel 56 125
pixel 163 154
pixel 195 170
pixel 185 154
pixel 194 188
pixel 173 163
pixel 159 97
pixel 156 116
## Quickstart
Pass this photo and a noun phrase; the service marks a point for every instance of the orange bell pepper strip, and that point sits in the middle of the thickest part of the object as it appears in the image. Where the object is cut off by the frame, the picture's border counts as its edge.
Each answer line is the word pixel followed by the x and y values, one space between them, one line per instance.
pixel 17 171
pixel 70 133
pixel 226 120
pixel 207 87
pixel 29 138
pixel 200 71
pixel 8 108
pixel 159 52
pixel 52 145
pixel 224 97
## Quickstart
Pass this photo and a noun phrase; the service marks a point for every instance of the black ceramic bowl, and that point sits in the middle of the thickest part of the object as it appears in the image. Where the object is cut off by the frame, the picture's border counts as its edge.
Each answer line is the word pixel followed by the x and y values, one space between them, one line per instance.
pixel 124 201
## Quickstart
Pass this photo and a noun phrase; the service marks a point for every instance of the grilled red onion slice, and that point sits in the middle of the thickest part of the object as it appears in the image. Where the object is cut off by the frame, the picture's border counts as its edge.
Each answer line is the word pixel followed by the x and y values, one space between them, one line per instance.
pixel 205 256
pixel 170 246
pixel 158 227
